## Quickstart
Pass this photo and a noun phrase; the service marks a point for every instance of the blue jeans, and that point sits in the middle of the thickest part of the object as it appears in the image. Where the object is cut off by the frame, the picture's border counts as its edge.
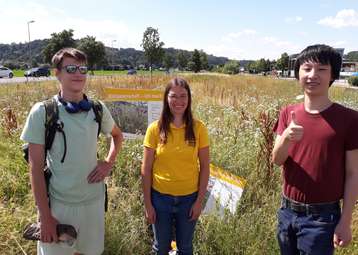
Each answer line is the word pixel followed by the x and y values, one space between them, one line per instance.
pixel 173 212
pixel 303 234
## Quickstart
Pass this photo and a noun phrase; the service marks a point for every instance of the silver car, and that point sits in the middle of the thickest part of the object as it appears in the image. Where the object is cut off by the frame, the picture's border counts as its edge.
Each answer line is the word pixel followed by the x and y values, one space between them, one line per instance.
pixel 6 72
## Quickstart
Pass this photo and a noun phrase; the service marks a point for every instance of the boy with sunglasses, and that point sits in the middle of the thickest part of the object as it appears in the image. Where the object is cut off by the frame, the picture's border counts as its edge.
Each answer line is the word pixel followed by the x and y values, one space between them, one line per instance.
pixel 76 189
pixel 317 144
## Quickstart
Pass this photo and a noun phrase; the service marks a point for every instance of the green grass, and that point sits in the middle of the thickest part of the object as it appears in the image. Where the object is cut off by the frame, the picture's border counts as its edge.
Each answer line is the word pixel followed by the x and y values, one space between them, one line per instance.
pixel 237 110
pixel 20 73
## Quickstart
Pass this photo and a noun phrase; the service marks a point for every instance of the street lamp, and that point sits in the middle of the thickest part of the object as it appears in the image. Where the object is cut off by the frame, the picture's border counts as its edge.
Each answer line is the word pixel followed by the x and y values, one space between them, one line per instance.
pixel 28 30
pixel 112 55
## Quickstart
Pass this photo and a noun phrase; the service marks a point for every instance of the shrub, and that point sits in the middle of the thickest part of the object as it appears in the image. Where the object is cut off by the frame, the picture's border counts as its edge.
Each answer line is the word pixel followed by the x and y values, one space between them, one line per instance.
pixel 353 80
pixel 231 67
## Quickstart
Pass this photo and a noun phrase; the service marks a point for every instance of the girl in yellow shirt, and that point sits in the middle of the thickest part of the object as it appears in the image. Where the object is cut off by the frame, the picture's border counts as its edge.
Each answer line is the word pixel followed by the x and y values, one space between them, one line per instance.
pixel 174 184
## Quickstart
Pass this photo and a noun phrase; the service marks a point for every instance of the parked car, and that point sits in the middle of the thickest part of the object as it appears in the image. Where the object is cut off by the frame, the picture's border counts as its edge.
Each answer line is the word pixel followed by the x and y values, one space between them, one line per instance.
pixel 37 72
pixel 132 72
pixel 6 72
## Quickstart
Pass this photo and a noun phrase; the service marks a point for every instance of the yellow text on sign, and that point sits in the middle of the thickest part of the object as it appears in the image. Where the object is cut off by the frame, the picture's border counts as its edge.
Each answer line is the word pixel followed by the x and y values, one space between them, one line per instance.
pixel 119 94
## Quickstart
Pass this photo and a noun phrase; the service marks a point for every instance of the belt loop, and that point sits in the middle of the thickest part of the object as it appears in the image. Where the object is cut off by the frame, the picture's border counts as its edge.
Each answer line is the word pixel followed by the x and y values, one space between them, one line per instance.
pixel 284 202
pixel 307 207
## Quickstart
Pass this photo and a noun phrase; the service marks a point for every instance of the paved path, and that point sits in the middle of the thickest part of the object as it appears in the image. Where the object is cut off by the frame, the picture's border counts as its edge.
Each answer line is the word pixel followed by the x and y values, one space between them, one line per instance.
pixel 344 84
pixel 24 79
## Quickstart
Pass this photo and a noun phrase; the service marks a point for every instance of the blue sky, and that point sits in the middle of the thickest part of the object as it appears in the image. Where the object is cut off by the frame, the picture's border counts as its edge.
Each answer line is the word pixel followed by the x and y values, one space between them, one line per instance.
pixel 235 29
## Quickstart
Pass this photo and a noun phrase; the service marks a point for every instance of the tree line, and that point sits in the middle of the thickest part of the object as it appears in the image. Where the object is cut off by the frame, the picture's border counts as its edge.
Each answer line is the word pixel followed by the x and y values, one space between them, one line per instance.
pixel 154 55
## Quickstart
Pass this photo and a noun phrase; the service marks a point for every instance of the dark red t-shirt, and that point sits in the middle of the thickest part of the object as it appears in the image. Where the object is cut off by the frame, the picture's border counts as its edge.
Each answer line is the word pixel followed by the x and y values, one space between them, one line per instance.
pixel 314 171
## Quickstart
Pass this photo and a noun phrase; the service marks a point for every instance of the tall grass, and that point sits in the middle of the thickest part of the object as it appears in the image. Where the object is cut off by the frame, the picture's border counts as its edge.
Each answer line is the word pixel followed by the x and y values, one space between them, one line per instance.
pixel 239 112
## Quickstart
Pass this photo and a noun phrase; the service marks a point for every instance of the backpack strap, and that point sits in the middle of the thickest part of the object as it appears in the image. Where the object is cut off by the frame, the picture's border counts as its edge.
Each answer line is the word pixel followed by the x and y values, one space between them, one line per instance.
pixel 51 118
pixel 98 112
pixel 52 125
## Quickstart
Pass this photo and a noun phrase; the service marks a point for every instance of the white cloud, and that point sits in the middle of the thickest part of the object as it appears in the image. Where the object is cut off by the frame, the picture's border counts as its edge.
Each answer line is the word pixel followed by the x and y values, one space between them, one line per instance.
pixel 279 43
pixel 295 19
pixel 251 46
pixel 104 30
pixel 303 33
pixel 344 18
pixel 51 20
pixel 232 36
pixel 339 43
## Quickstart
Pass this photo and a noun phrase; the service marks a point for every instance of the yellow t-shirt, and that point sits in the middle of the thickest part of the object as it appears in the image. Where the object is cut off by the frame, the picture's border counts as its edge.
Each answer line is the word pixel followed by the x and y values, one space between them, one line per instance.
pixel 175 166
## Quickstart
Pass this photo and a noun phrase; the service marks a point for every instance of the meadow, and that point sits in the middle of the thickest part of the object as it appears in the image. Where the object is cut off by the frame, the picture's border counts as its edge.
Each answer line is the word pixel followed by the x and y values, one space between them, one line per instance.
pixel 239 112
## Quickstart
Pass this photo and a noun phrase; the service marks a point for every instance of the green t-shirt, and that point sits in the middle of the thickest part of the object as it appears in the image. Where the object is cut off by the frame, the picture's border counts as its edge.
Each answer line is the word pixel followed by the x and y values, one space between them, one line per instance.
pixel 68 182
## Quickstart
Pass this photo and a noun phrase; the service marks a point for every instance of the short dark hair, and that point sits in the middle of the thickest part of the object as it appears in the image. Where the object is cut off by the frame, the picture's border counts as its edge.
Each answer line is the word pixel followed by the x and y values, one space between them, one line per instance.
pixel 323 54
pixel 57 59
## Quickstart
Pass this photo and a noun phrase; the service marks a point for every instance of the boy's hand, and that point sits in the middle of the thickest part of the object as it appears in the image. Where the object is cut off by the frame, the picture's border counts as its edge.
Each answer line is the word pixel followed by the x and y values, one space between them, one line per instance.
pixel 48 229
pixel 102 170
pixel 342 235
pixel 293 132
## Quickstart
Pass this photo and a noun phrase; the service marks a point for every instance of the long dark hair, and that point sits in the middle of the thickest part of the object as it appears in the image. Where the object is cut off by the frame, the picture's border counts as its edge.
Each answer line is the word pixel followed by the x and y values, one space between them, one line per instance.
pixel 166 116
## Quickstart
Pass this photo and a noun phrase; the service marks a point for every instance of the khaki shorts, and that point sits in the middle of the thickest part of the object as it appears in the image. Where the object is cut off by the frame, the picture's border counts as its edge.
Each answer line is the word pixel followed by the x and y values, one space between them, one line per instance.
pixel 87 219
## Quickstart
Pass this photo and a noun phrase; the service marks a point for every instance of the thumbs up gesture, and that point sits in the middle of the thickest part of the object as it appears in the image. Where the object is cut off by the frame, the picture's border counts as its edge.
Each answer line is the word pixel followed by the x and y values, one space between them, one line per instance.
pixel 294 132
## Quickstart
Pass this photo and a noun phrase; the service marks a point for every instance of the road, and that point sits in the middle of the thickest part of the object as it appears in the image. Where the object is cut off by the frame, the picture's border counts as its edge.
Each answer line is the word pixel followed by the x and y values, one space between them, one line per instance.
pixel 24 79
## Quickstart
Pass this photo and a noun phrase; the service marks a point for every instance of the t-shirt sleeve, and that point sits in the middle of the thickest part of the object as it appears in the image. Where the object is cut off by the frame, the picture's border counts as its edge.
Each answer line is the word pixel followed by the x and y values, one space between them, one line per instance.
pixel 107 121
pixel 203 138
pixel 34 128
pixel 281 123
pixel 352 134
pixel 151 137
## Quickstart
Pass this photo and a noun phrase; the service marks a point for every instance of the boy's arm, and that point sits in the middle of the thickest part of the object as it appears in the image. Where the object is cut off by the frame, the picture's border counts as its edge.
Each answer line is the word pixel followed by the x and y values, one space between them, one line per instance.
pixel 116 144
pixel 48 222
pixel 103 168
pixel 280 150
pixel 343 232
pixel 293 133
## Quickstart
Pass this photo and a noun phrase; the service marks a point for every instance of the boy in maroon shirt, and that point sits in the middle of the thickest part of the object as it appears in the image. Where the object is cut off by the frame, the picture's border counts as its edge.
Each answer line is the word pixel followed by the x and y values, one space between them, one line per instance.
pixel 317 144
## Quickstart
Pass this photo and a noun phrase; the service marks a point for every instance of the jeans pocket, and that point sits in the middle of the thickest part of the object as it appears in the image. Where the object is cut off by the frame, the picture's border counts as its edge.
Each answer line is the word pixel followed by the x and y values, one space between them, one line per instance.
pixel 326 218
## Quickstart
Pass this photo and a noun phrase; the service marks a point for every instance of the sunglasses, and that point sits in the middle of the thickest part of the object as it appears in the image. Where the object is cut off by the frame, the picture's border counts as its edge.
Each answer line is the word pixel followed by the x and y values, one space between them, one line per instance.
pixel 73 69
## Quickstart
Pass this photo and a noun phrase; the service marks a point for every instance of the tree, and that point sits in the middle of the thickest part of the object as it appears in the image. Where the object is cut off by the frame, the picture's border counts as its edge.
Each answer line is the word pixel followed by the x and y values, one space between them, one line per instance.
pixel 11 64
pixel 182 60
pixel 231 67
pixel 261 65
pixel 352 56
pixel 250 66
pixel 204 60
pixel 94 50
pixel 268 65
pixel 353 80
pixel 152 46
pixel 191 65
pixel 168 61
pixel 195 58
pixel 282 63
pixel 58 41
